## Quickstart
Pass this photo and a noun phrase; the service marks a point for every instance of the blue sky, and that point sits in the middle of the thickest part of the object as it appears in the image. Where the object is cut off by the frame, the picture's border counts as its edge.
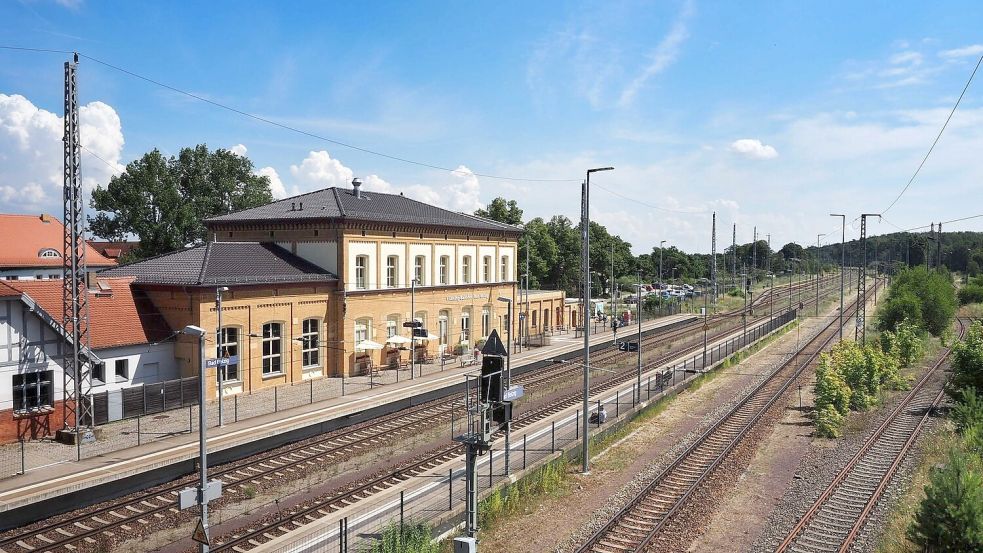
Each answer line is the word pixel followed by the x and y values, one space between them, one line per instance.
pixel 772 114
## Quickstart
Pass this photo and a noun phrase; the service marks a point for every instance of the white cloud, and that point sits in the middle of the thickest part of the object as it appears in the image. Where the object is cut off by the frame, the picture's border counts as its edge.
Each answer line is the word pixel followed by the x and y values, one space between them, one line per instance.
pixel 753 148
pixel 965 51
pixel 239 150
pixel 31 152
pixel 320 170
pixel 662 57
pixel 276 185
pixel 906 57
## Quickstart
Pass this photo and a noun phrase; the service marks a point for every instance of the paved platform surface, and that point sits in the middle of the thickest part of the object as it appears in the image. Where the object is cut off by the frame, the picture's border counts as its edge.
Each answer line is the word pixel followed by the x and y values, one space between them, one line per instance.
pixel 74 477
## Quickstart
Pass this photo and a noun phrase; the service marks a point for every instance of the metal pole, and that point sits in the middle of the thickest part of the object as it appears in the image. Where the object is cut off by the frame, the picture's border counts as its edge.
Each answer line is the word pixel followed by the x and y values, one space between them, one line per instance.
pixel 218 354
pixel 818 270
pixel 508 383
pixel 203 448
pixel 614 301
pixel 585 257
pixel 412 333
pixel 639 304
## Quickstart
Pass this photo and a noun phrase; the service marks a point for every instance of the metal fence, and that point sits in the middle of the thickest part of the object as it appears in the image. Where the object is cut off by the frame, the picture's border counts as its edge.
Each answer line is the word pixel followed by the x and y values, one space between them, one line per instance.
pixel 438 497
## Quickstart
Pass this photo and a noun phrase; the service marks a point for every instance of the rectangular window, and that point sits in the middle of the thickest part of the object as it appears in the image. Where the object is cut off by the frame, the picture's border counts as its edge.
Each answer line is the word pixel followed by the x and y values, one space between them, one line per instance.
pixel 230 348
pixel 391 328
pixel 98 374
pixel 465 326
pixel 444 269
pixel 33 390
pixel 272 348
pixel 122 370
pixel 486 268
pixel 392 279
pixel 485 322
pixel 418 273
pixel 466 270
pixel 310 342
pixel 361 272
pixel 361 332
pixel 505 269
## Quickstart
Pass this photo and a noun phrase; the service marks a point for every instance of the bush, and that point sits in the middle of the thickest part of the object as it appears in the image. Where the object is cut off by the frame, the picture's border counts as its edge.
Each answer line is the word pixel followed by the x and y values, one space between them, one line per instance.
pixel 830 389
pixel 926 298
pixel 971 293
pixel 950 518
pixel 828 422
pixel 967 362
pixel 416 538
pixel 968 410
pixel 904 343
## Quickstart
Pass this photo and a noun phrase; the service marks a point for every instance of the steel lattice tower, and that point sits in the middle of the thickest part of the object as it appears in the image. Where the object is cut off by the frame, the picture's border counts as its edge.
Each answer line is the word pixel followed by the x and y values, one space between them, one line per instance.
pixel 861 331
pixel 75 319
pixel 734 257
pixel 713 263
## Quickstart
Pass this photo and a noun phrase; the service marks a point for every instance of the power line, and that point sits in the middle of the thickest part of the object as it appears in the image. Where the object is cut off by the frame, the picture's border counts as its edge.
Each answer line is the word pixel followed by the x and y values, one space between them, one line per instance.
pixel 937 137
pixel 282 125
pixel 666 209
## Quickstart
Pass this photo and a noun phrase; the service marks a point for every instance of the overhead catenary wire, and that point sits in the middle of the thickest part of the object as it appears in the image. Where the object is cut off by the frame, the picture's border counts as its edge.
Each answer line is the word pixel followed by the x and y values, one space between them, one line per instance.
pixel 937 138
pixel 284 126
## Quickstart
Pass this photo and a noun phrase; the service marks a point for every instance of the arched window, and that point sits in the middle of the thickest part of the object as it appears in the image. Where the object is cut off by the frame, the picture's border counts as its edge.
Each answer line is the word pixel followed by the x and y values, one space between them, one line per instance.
pixel 486 268
pixel 466 324
pixel 272 348
pixel 392 271
pixel 49 252
pixel 466 270
pixel 486 320
pixel 229 348
pixel 362 272
pixel 445 269
pixel 363 332
pixel 442 328
pixel 534 318
pixel 419 264
pixel 392 325
pixel 310 341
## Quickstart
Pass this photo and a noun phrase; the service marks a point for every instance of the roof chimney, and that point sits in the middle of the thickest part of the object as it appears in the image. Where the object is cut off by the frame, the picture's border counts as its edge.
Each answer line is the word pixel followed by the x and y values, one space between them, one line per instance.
pixel 293 206
pixel 301 208
pixel 357 187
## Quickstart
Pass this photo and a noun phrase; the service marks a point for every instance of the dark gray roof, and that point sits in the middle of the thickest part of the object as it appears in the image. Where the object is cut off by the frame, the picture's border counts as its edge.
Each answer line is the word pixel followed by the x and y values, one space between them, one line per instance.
pixel 218 263
pixel 341 203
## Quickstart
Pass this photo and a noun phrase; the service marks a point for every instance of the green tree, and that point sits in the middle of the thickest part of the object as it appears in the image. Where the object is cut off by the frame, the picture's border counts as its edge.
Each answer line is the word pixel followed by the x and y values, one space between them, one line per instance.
pixel 163 201
pixel 950 517
pixel 931 291
pixel 503 211
pixel 967 362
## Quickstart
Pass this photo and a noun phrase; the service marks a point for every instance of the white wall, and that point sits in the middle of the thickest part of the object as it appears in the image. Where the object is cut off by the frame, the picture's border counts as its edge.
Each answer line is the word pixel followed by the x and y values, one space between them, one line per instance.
pixel 463 251
pixel 27 344
pixel 356 249
pixel 147 364
pixel 31 273
pixel 441 250
pixel 490 252
pixel 399 250
pixel 428 270
pixel 322 254
pixel 510 253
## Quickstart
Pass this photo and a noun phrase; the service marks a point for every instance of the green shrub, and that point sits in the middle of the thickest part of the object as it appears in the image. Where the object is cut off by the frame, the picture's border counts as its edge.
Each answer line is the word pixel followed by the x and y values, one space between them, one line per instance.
pixel 967 362
pixel 926 298
pixel 416 538
pixel 950 518
pixel 904 343
pixel 971 293
pixel 968 410
pixel 828 422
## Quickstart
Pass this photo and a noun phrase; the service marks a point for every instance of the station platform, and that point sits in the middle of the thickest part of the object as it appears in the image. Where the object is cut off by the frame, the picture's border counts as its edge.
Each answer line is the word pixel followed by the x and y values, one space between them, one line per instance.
pixel 65 486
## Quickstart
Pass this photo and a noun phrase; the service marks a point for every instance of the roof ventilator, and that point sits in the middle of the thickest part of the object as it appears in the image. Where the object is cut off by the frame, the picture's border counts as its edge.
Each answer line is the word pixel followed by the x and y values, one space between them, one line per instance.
pixel 357 187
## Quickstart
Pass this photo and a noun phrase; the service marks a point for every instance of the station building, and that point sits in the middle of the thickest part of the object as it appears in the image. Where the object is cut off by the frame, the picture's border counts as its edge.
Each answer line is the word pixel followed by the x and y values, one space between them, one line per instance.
pixel 398 260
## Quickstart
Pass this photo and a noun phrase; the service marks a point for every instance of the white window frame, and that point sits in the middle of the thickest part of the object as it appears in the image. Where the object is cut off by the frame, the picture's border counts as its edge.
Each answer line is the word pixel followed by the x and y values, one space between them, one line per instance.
pixel 310 343
pixel 505 269
pixel 465 333
pixel 486 268
pixel 466 269
pixel 419 272
pixel 445 269
pixel 361 272
pixel 392 271
pixel 124 375
pixel 272 362
pixel 485 321
pixel 228 349
pixel 362 332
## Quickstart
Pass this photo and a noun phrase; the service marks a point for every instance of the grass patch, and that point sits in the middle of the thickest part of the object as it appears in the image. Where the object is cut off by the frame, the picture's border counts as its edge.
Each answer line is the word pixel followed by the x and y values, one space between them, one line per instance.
pixel 416 537
pixel 518 498
pixel 972 310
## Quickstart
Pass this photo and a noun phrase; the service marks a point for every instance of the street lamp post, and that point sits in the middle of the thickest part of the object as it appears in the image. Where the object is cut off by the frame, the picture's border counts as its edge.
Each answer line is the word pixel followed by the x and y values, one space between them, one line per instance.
pixel 412 332
pixel 661 242
pixel 638 303
pixel 842 264
pixel 508 380
pixel 192 330
pixel 218 351
pixel 818 268
pixel 585 256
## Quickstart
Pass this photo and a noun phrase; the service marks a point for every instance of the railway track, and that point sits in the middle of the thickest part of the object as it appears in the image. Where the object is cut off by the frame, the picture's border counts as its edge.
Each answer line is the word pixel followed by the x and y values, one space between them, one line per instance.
pixel 299 516
pixel 142 509
pixel 638 525
pixel 837 516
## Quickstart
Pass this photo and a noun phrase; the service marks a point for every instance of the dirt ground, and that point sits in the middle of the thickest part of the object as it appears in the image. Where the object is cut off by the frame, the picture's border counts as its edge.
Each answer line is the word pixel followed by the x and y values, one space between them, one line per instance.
pixel 553 520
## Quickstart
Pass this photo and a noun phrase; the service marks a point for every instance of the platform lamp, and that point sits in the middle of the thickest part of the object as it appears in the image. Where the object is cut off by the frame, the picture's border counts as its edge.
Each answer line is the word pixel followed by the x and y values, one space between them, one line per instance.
pixel 585 264
pixel 192 330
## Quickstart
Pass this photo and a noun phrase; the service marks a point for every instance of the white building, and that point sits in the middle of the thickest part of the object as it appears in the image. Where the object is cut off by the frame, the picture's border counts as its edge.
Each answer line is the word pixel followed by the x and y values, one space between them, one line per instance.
pixel 31 248
pixel 124 331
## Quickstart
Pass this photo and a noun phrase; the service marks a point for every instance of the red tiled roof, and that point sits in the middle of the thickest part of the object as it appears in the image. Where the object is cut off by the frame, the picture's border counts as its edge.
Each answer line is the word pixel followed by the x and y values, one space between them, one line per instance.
pixel 113 250
pixel 25 236
pixel 121 316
